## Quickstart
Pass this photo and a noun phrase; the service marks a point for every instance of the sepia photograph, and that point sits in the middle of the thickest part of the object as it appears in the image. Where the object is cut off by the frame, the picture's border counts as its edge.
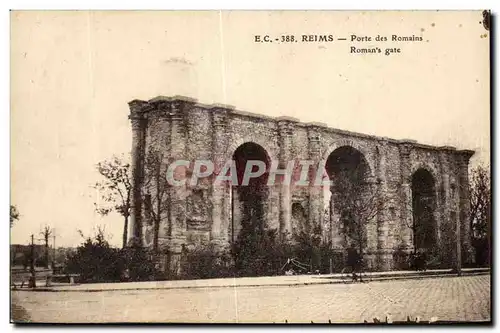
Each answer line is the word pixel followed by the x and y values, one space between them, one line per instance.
pixel 250 167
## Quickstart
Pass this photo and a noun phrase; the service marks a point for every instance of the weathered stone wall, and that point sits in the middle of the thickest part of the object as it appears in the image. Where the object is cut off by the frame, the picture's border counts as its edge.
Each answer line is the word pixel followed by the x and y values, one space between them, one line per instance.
pixel 203 213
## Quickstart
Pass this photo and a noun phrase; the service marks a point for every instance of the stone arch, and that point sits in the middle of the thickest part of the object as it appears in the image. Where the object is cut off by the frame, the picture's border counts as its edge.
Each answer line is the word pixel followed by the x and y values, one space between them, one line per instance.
pixel 352 144
pixel 249 203
pixel 351 190
pixel 427 167
pixel 431 168
pixel 271 153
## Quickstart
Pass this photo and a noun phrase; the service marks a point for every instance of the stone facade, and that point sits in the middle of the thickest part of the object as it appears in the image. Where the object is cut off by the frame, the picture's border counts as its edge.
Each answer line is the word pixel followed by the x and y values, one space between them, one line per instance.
pixel 187 130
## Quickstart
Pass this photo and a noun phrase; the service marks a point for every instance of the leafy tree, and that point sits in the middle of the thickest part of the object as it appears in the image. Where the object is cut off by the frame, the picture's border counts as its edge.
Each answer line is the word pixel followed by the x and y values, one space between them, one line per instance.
pixel 480 217
pixel 115 190
pixel 14 214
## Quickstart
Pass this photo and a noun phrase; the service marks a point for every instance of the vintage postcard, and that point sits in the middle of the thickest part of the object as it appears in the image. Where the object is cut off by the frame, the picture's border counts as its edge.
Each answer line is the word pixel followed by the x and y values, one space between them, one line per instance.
pixel 250 167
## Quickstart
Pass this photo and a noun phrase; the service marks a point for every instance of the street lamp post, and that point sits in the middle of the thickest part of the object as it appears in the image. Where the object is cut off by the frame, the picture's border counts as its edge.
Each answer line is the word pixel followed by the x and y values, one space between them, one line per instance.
pixel 32 279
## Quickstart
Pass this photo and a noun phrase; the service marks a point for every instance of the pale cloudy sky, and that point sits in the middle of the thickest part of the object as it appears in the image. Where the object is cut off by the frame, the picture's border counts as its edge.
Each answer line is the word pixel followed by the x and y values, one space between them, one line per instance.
pixel 72 74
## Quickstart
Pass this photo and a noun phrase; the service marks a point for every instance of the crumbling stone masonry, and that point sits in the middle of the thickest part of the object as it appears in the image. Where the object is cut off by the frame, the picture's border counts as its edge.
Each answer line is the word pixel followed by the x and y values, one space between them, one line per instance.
pixel 184 129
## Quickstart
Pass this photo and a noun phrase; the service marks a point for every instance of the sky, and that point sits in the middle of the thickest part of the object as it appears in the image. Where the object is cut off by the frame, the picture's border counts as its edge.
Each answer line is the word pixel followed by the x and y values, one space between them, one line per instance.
pixel 73 73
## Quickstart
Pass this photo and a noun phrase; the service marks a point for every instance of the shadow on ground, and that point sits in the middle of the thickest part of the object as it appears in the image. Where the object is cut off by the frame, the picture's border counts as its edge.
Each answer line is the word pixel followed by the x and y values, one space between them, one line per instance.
pixel 18 314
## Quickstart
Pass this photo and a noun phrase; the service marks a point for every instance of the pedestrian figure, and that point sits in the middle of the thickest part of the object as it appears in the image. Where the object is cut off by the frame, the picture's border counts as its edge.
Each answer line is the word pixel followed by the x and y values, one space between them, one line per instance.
pixel 420 260
pixel 353 261
pixel 413 263
pixel 417 260
pixel 423 259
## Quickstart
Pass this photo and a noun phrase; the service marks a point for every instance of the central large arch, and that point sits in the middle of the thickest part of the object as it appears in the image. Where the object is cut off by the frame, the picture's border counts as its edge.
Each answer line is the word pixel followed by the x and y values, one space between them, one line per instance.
pixel 349 174
pixel 249 202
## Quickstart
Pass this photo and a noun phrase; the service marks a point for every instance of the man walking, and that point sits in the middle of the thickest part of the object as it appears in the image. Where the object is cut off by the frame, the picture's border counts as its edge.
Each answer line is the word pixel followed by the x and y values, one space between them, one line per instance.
pixel 353 261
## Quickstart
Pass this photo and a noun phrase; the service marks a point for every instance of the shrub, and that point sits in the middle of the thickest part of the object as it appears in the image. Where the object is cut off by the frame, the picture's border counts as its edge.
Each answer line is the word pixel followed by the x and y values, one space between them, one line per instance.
pixel 482 252
pixel 205 261
pixel 260 252
pixel 401 258
pixel 311 249
pixel 434 261
pixel 137 264
pixel 96 261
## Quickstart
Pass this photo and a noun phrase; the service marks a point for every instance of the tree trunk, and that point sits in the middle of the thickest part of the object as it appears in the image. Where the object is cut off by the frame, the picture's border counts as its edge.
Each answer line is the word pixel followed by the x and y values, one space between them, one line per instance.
pixel 156 226
pixel 155 234
pixel 125 232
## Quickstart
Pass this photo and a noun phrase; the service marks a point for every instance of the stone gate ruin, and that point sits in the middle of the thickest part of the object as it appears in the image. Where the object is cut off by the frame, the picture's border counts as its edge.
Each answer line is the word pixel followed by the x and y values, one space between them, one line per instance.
pixel 422 185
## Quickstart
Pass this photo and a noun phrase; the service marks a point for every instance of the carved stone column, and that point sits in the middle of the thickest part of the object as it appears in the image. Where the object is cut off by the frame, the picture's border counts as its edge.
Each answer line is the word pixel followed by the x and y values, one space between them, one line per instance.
pixel 446 228
pixel 384 244
pixel 178 194
pixel 315 191
pixel 285 133
pixel 220 193
pixel 406 200
pixel 464 195
pixel 137 117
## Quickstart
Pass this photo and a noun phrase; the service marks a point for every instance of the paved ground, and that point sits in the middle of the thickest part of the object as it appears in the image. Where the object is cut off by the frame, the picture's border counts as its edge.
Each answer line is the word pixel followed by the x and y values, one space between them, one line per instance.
pixel 452 298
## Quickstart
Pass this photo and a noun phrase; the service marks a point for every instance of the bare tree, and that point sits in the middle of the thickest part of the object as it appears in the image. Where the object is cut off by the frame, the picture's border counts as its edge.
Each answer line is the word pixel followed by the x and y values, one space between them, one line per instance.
pixel 480 209
pixel 99 235
pixel 115 190
pixel 14 214
pixel 156 190
pixel 359 204
pixel 421 209
pixel 46 233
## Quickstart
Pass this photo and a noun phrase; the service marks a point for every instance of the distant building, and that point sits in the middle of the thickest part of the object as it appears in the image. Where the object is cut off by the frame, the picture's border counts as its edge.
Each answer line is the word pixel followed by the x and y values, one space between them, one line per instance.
pixel 20 255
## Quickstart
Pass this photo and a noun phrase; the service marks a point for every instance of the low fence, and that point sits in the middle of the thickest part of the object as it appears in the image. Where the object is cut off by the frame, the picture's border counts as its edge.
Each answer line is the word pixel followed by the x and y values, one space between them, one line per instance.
pixel 21 277
pixel 211 266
